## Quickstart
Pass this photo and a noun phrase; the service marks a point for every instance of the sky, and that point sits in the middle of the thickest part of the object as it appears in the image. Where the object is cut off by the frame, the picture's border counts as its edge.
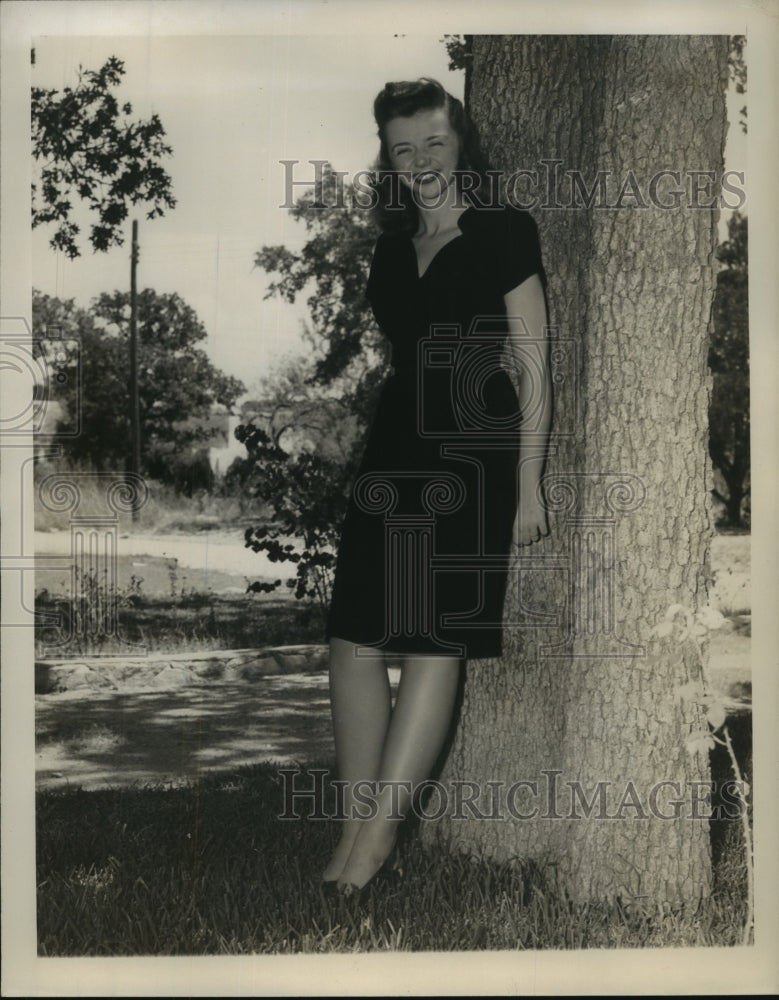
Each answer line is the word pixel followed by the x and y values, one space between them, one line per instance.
pixel 233 108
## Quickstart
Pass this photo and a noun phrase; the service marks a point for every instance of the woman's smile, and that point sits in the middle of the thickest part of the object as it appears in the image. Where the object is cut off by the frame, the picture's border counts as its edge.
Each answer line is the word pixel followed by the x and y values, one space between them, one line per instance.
pixel 424 149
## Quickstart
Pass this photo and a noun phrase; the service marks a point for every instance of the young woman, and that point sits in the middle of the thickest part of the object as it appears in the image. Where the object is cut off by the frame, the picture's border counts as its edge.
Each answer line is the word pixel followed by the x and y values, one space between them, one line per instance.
pixel 450 473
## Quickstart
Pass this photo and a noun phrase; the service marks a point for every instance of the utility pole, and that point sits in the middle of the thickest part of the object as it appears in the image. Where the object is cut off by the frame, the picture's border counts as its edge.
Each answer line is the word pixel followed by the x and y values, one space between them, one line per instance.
pixel 135 409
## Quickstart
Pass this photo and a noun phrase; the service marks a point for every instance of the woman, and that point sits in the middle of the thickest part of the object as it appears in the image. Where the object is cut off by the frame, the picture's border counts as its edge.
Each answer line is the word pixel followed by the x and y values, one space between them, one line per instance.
pixel 456 286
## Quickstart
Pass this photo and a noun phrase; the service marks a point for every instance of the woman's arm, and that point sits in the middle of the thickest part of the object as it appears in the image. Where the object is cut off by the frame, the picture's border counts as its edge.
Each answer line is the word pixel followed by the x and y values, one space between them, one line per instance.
pixel 526 313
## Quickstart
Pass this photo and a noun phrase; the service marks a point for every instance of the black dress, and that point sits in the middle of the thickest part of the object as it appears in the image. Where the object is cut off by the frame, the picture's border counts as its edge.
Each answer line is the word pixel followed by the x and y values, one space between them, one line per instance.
pixel 423 558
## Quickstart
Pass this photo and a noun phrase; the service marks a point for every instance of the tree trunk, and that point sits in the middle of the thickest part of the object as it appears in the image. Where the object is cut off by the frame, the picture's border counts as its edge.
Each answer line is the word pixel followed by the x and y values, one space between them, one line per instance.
pixel 585 699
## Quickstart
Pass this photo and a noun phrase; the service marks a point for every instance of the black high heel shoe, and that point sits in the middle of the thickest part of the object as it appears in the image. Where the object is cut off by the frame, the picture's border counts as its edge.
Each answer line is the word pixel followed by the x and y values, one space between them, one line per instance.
pixel 388 876
pixel 329 889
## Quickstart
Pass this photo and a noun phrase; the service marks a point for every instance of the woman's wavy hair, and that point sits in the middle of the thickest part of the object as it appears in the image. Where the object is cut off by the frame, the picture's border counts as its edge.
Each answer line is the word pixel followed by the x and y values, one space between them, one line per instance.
pixel 401 100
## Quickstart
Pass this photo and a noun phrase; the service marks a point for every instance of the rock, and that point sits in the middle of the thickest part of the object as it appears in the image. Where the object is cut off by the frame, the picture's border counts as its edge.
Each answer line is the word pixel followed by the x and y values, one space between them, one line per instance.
pixel 301 659
pixel 211 669
pixel 318 659
pixel 291 663
pixel 128 670
pixel 260 666
pixel 79 675
pixel 732 680
pixel 237 657
pixel 732 593
pixel 44 678
pixel 178 669
pixel 173 677
pixel 741 692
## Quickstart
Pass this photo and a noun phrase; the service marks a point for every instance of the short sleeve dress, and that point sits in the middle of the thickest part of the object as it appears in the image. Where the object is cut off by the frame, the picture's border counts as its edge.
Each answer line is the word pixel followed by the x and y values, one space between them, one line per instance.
pixel 424 553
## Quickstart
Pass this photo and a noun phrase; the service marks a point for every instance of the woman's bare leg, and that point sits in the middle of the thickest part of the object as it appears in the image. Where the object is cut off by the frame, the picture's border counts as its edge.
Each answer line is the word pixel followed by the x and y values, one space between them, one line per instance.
pixel 417 730
pixel 360 702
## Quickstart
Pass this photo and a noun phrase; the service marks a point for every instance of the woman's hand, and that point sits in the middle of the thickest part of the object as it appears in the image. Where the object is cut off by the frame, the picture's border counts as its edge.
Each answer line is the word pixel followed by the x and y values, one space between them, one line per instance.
pixel 529 346
pixel 531 524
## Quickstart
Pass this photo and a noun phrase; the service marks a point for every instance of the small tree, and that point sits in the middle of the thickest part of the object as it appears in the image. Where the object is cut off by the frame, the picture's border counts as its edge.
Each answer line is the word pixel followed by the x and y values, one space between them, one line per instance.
pixel 350 355
pixel 307 496
pixel 300 415
pixel 305 429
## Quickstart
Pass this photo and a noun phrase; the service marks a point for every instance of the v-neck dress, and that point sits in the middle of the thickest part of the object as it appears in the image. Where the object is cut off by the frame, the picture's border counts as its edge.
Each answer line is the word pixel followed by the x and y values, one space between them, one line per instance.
pixel 424 553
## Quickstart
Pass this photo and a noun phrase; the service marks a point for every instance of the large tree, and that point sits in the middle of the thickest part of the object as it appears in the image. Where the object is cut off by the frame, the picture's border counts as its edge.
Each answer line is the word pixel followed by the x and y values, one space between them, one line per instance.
pixel 588 697
pixel 179 386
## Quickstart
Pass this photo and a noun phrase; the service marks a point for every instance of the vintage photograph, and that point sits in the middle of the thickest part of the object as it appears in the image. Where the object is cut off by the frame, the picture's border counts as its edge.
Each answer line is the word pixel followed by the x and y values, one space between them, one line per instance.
pixel 379 457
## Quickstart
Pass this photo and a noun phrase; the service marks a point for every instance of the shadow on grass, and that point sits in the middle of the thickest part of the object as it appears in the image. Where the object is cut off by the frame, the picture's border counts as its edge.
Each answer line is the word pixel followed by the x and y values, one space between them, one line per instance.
pixel 123 739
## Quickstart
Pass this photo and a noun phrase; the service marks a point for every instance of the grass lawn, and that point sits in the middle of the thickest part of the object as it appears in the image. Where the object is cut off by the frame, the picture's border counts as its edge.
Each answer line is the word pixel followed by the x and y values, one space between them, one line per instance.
pixel 210 868
pixel 189 622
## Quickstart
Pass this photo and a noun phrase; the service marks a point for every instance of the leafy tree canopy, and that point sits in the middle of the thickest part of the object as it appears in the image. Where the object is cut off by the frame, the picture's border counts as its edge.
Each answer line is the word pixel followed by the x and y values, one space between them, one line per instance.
pixel 332 266
pixel 88 148
pixel 729 344
pixel 178 385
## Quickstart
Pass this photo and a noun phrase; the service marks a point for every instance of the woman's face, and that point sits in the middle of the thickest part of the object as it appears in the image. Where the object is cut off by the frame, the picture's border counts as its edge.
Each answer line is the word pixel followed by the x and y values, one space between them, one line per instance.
pixel 425 150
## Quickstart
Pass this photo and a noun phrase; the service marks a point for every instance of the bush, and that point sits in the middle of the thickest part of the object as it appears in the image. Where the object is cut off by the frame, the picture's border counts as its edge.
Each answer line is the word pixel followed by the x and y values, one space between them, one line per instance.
pixel 307 494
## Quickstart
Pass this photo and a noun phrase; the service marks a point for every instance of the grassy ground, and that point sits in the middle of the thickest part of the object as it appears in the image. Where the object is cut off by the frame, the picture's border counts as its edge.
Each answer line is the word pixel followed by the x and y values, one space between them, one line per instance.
pixel 212 869
pixel 169 608
pixel 190 623
pixel 164 510
pixel 173 736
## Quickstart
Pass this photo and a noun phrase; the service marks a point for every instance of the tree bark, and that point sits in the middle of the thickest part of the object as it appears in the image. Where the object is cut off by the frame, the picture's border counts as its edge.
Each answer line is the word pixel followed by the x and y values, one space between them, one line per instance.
pixel 584 692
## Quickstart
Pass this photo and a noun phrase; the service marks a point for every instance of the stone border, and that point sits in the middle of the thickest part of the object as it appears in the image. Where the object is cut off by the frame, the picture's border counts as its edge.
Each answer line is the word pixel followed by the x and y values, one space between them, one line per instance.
pixel 159 670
